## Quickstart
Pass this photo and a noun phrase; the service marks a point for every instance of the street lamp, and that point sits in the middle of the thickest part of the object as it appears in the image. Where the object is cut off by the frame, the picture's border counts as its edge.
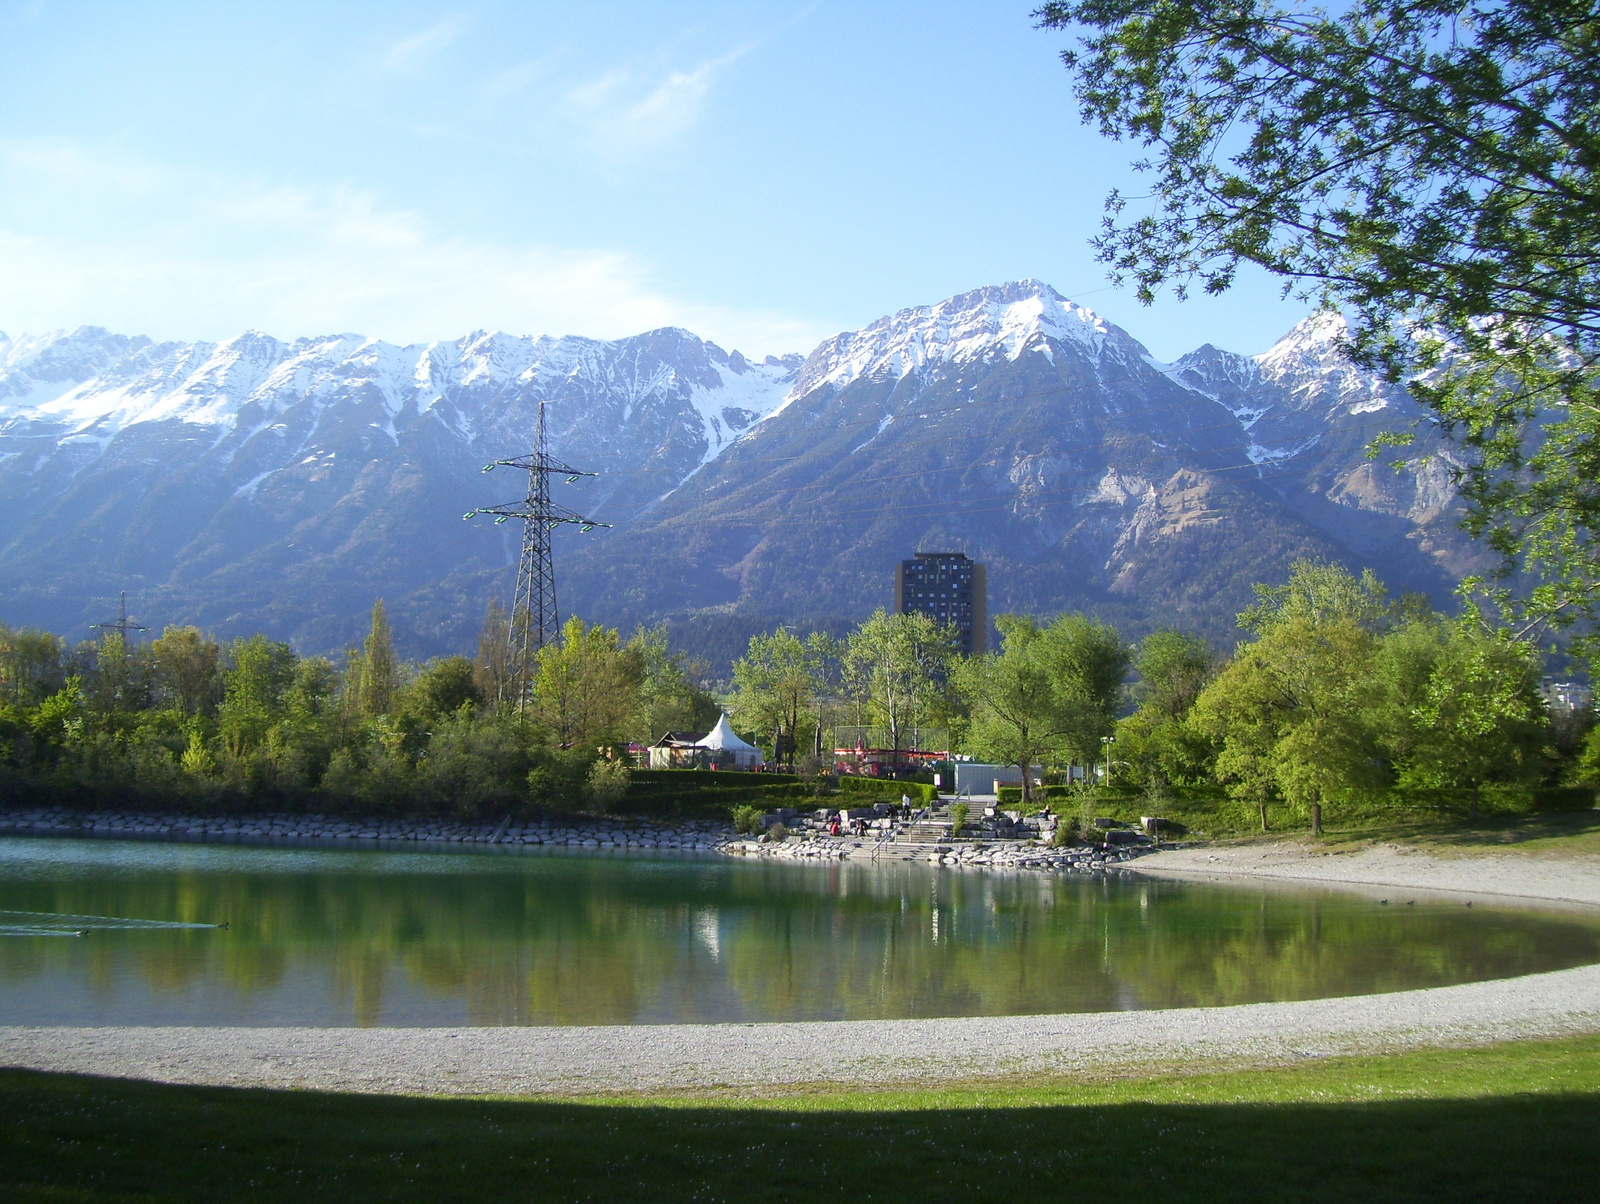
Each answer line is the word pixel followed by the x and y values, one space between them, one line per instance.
pixel 1105 751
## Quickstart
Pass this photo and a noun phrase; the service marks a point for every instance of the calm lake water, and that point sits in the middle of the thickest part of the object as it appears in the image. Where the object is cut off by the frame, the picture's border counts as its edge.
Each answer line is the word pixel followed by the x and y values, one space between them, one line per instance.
pixel 373 937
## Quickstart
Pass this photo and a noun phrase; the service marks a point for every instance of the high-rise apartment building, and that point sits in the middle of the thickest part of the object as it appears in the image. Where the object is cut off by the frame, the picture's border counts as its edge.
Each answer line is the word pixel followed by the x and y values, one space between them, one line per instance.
pixel 951 590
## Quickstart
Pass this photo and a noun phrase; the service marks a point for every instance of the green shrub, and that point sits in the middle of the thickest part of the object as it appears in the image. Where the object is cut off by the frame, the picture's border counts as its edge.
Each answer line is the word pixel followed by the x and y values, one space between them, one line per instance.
pixel 922 793
pixel 958 818
pixel 607 782
pixel 746 818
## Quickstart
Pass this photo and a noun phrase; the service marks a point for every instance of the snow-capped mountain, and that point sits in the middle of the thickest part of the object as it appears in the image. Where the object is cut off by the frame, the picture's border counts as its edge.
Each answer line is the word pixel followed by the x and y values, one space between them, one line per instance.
pixel 666 394
pixel 1026 430
pixel 257 484
pixel 252 472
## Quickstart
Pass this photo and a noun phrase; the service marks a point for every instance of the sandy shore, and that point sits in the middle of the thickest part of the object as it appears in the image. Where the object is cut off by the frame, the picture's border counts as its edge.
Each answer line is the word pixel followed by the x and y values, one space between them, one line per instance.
pixel 1552 879
pixel 524 1061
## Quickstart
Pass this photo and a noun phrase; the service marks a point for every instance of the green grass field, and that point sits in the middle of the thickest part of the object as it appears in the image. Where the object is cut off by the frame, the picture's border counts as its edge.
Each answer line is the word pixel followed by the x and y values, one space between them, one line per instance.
pixel 1514 1122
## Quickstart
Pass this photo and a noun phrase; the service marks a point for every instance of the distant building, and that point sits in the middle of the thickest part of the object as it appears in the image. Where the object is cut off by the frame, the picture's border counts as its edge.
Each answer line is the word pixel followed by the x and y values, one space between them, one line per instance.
pixel 951 590
pixel 1566 697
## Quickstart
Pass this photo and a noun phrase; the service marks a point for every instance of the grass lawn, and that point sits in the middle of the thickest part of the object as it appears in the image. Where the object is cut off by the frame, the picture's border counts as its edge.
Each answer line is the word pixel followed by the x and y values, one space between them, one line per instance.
pixel 1573 833
pixel 1513 1122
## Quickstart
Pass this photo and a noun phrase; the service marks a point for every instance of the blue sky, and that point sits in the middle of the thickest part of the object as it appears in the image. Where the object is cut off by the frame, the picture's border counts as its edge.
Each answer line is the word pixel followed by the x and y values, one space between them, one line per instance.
pixel 763 174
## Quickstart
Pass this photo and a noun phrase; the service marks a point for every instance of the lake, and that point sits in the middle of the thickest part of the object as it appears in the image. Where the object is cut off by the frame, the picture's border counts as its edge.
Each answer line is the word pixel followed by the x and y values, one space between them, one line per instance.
pixel 415 937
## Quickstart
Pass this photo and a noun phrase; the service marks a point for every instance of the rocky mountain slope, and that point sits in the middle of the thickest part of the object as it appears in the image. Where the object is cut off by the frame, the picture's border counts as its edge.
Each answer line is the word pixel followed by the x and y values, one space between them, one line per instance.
pixel 260 484
pixel 1028 432
pixel 257 484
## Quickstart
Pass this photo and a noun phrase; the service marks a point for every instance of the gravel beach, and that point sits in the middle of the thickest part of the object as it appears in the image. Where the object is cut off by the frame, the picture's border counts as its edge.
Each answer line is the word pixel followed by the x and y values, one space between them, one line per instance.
pixel 752 1057
pixel 1546 878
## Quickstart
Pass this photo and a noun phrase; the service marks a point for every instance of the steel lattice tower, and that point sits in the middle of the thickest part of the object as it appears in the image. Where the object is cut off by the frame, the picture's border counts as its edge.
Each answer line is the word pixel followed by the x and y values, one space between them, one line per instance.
pixel 535 621
pixel 122 626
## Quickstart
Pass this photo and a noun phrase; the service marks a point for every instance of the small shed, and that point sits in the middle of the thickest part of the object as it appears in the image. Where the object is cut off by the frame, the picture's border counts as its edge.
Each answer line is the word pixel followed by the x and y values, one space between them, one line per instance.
pixel 677 750
pixel 727 750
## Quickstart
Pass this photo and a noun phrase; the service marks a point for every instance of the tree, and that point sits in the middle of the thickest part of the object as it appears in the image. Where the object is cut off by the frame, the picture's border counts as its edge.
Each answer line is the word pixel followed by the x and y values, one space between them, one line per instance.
pixel 775 687
pixel 494 666
pixel 671 694
pixel 1048 691
pixel 1482 718
pixel 1156 739
pixel 443 688
pixel 30 664
pixel 1087 662
pixel 1430 169
pixel 188 669
pixel 1288 712
pixel 587 689
pixel 1291 711
pixel 898 665
pixel 380 669
pixel 254 689
pixel 121 679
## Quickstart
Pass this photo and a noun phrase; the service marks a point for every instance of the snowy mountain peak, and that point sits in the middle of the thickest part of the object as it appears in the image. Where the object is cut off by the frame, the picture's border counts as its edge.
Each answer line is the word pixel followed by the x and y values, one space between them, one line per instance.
pixel 1315 343
pixel 1003 318
pixel 1310 363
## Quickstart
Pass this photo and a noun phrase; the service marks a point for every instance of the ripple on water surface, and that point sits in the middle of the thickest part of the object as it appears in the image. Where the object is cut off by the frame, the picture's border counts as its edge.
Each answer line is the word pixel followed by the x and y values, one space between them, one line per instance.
pixel 369 937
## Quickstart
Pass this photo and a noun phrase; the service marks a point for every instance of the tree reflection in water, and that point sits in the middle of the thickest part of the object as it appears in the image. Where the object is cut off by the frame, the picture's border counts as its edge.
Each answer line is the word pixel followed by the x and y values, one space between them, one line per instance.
pixel 379 937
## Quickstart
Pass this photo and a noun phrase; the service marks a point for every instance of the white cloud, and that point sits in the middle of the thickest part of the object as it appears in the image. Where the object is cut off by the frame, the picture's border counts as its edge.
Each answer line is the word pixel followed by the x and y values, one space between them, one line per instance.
pixel 295 261
pixel 410 53
pixel 629 109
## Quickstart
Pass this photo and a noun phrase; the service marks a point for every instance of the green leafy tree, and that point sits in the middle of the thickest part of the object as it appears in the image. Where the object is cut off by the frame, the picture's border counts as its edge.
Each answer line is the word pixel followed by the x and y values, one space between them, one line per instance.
pixel 1046 692
pixel 1158 744
pixel 121 677
pixel 1290 712
pixel 671 696
pixel 586 694
pixel 380 668
pixel 58 721
pixel 443 687
pixel 31 664
pixel 1482 718
pixel 494 665
pixel 254 689
pixel 898 667
pixel 1425 167
pixel 188 669
pixel 775 686
pixel 1087 660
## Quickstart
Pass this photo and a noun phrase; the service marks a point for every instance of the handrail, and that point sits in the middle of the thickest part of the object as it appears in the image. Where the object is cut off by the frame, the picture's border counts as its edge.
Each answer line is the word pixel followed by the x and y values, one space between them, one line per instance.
pixel 892 833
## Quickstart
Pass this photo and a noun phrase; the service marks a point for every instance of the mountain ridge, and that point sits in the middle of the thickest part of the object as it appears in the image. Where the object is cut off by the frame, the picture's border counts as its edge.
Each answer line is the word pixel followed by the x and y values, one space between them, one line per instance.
pixel 255 483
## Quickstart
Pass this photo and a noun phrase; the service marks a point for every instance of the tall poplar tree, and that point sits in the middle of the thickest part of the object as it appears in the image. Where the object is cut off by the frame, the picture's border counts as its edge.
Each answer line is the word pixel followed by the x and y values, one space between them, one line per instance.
pixel 380 669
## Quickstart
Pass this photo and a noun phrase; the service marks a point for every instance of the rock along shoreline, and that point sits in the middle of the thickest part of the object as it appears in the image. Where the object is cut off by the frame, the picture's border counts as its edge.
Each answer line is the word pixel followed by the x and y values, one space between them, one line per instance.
pixel 572 832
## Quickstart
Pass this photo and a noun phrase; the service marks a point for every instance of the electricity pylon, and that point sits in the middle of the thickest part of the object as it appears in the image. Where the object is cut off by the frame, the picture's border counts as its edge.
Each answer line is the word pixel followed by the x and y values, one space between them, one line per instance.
pixel 534 620
pixel 122 626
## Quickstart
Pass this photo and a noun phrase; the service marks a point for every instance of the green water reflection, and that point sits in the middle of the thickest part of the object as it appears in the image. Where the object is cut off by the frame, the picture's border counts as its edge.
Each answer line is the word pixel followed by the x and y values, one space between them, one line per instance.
pixel 405 938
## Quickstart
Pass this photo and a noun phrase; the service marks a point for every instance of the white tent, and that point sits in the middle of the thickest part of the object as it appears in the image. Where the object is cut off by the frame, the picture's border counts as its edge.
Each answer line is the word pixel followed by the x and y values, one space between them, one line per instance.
pixel 721 739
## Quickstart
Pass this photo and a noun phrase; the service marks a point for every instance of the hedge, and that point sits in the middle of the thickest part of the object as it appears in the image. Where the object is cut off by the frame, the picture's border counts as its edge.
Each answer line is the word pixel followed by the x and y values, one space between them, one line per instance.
pixel 888 788
pixel 709 792
pixel 711 779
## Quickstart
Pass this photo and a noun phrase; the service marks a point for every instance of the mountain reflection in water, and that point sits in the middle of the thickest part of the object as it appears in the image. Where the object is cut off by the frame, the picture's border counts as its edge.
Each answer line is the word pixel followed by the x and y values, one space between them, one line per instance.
pixel 368 937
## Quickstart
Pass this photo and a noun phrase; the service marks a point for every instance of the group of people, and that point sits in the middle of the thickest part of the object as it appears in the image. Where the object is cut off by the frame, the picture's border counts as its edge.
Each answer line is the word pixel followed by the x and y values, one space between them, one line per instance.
pixel 858 825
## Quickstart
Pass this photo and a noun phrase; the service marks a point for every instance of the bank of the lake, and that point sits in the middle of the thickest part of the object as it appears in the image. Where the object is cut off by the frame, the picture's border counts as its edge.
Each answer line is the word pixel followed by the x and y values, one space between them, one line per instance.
pixel 1546 876
pixel 563 831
